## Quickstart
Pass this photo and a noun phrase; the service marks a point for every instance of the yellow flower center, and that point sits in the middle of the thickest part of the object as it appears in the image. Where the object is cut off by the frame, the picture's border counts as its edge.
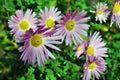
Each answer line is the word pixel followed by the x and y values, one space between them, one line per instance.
pixel 36 40
pixel 79 49
pixel 90 50
pixel 50 23
pixel 116 8
pixel 99 12
pixel 24 25
pixel 70 25
pixel 92 66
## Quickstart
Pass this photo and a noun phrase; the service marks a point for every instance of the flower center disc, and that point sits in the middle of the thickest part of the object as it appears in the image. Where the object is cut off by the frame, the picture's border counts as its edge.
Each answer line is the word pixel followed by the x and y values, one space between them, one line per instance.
pixel 36 40
pixel 70 25
pixel 92 66
pixel 99 12
pixel 90 50
pixel 50 23
pixel 79 49
pixel 116 8
pixel 24 25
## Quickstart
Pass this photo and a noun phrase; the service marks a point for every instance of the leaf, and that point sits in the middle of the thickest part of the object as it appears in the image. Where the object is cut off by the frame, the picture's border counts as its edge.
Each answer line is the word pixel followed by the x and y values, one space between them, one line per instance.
pixel 50 75
pixel 30 74
pixel 21 78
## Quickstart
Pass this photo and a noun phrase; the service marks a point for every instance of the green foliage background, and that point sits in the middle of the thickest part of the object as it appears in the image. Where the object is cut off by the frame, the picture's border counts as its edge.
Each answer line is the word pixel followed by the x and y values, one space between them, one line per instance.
pixel 65 66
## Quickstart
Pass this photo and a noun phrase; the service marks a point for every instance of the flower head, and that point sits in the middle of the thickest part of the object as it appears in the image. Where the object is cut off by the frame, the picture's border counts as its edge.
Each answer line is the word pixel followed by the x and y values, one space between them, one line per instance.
pixel 116 13
pixel 49 17
pixel 20 23
pixel 80 48
pixel 35 46
pixel 101 12
pixel 95 66
pixel 72 27
pixel 96 47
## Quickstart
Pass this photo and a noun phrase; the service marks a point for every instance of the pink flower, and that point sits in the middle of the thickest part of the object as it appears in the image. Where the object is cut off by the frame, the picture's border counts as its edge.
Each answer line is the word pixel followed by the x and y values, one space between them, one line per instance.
pixel 35 46
pixel 20 23
pixel 95 66
pixel 80 48
pixel 101 12
pixel 116 13
pixel 72 27
pixel 96 47
pixel 49 17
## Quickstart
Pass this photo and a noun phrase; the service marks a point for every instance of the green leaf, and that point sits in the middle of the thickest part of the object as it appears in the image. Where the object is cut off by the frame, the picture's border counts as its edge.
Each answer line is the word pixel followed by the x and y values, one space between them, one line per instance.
pixel 21 78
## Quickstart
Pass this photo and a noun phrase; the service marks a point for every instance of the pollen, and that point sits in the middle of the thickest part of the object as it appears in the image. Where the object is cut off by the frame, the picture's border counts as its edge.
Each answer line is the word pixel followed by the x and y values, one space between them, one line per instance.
pixel 99 12
pixel 24 25
pixel 70 25
pixel 116 8
pixel 90 50
pixel 79 49
pixel 36 40
pixel 50 23
pixel 92 66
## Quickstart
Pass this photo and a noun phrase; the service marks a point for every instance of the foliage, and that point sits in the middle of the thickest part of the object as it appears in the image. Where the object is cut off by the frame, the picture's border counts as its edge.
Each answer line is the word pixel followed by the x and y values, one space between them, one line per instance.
pixel 65 66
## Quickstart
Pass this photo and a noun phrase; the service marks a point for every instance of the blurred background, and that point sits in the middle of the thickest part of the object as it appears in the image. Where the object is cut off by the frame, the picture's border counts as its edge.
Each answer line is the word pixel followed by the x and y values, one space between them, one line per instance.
pixel 65 66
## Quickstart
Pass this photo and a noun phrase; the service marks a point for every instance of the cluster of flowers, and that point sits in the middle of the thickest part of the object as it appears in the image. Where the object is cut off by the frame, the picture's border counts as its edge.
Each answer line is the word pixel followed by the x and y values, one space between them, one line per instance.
pixel 94 49
pixel 50 28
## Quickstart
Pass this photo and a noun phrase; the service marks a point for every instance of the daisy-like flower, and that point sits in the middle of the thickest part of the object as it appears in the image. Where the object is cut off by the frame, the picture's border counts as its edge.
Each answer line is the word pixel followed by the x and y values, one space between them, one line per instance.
pixel 80 48
pixel 72 27
pixel 116 13
pixel 20 23
pixel 102 12
pixel 95 67
pixel 96 47
pixel 50 17
pixel 36 46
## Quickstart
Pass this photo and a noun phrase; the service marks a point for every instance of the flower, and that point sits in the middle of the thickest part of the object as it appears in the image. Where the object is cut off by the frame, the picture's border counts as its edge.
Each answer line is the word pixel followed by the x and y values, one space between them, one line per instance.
pixel 96 46
pixel 20 23
pixel 72 27
pixel 80 48
pixel 49 17
pixel 95 67
pixel 116 13
pixel 101 12
pixel 35 46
